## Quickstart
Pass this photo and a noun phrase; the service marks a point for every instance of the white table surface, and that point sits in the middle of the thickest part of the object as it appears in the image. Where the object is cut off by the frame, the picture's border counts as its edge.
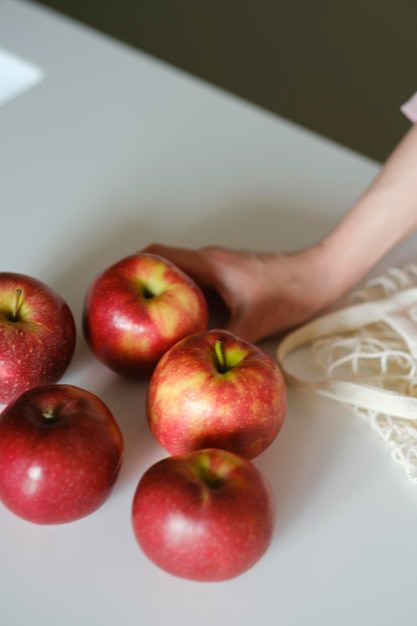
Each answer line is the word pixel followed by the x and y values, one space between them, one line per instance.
pixel 110 151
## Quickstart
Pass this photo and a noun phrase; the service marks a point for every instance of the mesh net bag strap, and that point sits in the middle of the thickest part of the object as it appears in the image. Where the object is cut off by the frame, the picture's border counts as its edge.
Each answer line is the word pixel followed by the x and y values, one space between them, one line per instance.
pixel 366 356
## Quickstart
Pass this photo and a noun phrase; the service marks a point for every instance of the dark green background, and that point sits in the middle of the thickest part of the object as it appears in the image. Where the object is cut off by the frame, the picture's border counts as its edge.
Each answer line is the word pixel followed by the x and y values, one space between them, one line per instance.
pixel 341 68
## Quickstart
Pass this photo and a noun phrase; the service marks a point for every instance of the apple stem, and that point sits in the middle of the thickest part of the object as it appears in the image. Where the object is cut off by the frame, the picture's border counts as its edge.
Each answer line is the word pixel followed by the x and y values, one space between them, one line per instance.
pixel 209 473
pixel 221 360
pixel 48 414
pixel 17 305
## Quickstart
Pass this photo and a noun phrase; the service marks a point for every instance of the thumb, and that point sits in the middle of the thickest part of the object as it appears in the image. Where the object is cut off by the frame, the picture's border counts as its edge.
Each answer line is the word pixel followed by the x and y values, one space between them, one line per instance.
pixel 242 325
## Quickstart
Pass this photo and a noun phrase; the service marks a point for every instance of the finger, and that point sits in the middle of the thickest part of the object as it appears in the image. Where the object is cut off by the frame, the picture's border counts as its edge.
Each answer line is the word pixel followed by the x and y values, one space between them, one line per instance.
pixel 242 325
pixel 192 262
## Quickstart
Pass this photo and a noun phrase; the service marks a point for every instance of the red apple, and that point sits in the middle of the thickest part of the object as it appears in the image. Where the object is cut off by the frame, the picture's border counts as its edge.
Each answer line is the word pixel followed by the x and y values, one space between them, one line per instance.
pixel 37 335
pixel 205 516
pixel 213 389
pixel 137 309
pixel 60 454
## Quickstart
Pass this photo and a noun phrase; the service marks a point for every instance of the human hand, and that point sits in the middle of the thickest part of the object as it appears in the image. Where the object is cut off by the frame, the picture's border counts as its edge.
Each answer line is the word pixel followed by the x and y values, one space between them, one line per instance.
pixel 265 293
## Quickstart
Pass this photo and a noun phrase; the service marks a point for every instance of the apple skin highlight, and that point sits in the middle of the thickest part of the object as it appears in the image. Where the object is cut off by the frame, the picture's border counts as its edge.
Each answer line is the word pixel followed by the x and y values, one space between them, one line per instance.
pixel 37 335
pixel 61 450
pixel 194 402
pixel 138 308
pixel 206 516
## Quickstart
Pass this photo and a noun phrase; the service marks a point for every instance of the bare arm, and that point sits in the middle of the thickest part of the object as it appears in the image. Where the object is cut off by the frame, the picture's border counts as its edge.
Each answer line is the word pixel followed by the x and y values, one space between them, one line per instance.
pixel 383 217
pixel 271 293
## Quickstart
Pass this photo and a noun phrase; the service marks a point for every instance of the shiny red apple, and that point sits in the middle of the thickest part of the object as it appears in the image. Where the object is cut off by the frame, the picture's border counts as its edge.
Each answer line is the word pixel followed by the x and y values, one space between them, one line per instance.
pixel 205 516
pixel 37 335
pixel 60 454
pixel 213 389
pixel 137 309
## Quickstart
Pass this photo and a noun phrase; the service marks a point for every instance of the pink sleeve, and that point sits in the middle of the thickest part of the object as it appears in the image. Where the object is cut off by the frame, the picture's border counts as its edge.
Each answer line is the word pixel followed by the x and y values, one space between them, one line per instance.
pixel 409 108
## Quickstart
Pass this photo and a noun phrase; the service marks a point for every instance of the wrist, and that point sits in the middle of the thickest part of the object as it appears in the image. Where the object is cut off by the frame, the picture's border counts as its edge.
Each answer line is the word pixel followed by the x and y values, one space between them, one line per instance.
pixel 339 266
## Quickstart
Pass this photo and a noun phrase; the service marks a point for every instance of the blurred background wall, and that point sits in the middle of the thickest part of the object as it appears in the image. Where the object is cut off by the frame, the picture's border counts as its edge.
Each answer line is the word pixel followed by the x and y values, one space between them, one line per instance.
pixel 341 68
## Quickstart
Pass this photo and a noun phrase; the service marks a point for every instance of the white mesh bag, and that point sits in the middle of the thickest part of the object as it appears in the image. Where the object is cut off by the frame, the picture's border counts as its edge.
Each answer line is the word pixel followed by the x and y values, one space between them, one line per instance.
pixel 366 354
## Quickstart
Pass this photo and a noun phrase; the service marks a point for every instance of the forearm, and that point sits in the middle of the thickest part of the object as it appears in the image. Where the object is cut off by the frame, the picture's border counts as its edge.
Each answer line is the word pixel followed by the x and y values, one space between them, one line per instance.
pixel 384 216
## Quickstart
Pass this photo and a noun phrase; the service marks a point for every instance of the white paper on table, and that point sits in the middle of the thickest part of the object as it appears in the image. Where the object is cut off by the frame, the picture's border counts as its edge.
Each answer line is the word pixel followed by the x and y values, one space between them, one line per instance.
pixel 16 76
